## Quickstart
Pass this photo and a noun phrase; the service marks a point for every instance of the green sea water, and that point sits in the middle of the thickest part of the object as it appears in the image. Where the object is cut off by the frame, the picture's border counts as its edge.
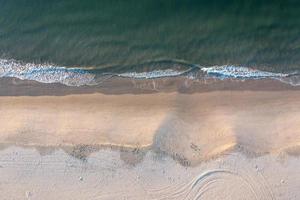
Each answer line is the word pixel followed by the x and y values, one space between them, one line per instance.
pixel 103 33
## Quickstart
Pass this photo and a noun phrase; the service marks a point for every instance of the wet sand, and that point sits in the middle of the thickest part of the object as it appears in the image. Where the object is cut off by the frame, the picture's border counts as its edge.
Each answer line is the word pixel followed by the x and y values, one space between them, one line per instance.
pixel 189 134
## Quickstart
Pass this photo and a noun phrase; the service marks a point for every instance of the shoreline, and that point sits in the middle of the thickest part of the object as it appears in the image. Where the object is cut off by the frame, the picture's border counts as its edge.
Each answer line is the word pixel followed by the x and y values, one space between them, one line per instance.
pixel 120 86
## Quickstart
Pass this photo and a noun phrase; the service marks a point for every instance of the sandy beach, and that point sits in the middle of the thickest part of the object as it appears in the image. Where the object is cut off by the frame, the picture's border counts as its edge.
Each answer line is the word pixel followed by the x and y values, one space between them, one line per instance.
pixel 194 126
pixel 193 130
pixel 149 100
pixel 26 174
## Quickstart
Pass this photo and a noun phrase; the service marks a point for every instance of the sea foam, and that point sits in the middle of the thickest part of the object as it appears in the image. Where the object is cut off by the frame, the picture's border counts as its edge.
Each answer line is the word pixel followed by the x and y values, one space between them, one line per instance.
pixel 45 73
pixel 153 74
pixel 230 71
pixel 49 73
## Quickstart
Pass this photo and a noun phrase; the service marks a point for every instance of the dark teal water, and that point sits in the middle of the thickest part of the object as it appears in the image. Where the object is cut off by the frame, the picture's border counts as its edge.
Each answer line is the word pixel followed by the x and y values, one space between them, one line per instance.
pixel 100 33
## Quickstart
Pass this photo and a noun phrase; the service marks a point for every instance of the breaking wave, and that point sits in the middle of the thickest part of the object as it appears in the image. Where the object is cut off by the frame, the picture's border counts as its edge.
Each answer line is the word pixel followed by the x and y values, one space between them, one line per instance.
pixel 49 73
pixel 152 74
pixel 238 72
pixel 229 71
pixel 46 73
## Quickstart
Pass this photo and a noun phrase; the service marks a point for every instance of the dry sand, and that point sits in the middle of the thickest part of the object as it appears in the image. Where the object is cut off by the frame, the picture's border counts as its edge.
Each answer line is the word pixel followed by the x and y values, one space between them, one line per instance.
pixel 191 127
pixel 223 144
pixel 25 174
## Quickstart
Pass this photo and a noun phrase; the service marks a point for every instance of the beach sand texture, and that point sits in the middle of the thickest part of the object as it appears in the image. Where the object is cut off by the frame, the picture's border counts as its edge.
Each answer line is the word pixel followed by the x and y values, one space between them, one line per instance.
pixel 226 144
pixel 195 127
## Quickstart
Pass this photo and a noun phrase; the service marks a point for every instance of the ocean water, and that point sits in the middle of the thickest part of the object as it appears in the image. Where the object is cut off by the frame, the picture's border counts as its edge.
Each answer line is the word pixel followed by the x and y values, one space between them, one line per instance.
pixel 147 38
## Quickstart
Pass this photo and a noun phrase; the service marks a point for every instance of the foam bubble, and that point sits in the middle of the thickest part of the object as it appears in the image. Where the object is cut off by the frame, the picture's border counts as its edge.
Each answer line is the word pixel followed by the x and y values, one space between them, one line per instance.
pixel 229 71
pixel 48 73
pixel 152 74
pixel 45 73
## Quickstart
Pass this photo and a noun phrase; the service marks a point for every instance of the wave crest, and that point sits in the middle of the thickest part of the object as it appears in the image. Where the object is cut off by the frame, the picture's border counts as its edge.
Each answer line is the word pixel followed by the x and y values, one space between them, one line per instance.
pixel 45 73
pixel 48 73
pixel 229 71
pixel 152 74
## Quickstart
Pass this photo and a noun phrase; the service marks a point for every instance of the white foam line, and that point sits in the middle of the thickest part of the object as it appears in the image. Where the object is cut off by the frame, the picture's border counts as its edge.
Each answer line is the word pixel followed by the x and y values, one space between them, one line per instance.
pixel 152 74
pixel 45 73
pixel 229 71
